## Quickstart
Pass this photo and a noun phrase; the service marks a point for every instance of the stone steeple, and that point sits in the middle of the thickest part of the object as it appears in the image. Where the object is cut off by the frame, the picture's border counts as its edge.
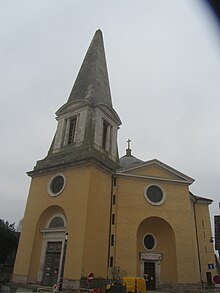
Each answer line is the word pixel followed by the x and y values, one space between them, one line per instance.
pixel 87 123
pixel 92 83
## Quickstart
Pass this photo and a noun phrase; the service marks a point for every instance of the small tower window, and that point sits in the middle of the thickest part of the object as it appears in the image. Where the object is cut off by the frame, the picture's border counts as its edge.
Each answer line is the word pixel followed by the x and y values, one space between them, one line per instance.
pixel 104 135
pixel 72 131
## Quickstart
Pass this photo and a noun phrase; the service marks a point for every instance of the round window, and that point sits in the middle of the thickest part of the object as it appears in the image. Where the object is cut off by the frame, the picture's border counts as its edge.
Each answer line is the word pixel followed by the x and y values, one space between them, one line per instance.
pixel 56 185
pixel 154 194
pixel 149 242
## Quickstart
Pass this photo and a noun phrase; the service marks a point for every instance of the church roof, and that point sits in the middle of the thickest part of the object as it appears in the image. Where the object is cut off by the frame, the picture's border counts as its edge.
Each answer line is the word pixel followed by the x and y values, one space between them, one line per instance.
pixel 132 166
pixel 92 83
pixel 128 160
pixel 200 199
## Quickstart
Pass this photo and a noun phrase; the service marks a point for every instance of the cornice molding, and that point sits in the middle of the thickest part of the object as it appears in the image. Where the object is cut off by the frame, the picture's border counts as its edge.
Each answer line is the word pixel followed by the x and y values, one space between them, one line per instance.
pixel 152 178
pixel 183 177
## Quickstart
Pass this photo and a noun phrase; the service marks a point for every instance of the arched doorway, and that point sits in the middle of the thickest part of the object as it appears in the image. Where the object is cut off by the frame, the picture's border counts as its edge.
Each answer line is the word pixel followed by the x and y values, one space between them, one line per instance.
pixel 52 252
pixel 156 259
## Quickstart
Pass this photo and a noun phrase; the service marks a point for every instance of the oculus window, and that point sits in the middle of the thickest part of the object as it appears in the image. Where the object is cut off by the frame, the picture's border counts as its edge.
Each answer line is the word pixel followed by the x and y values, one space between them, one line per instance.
pixel 155 195
pixel 149 241
pixel 56 185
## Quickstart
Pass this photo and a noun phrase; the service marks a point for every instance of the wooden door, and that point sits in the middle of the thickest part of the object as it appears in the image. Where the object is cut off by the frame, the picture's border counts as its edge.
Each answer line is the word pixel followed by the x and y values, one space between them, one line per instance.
pixel 52 263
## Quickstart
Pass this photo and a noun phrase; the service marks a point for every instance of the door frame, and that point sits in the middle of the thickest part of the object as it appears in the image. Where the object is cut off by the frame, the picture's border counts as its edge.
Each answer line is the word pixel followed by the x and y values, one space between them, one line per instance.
pixel 148 280
pixel 51 235
pixel 157 270
pixel 52 255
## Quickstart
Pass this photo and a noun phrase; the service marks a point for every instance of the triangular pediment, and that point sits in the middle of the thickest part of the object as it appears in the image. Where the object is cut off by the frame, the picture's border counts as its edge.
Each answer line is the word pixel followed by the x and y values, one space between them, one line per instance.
pixel 155 169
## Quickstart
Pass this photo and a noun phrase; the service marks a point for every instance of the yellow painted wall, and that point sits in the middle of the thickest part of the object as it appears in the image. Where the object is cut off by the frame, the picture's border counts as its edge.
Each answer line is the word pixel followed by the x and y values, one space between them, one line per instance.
pixel 97 225
pixel 133 208
pixel 165 244
pixel 152 170
pixel 85 202
pixel 204 234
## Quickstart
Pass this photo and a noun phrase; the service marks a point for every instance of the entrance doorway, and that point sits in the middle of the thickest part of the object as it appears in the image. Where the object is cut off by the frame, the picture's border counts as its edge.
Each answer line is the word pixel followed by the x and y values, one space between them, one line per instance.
pixel 52 263
pixel 149 274
pixel 209 278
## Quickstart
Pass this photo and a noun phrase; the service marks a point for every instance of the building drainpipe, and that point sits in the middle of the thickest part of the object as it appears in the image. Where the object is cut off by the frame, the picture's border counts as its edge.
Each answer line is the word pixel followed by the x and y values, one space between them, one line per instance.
pixel 60 282
pixel 110 225
pixel 197 240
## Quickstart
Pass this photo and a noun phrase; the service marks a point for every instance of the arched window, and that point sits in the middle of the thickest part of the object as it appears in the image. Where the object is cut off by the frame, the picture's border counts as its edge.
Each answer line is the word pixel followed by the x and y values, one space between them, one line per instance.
pixel 56 222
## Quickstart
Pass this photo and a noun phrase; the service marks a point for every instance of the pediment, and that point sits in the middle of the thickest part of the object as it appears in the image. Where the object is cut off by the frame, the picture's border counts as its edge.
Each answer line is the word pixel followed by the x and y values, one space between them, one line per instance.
pixel 74 105
pixel 156 169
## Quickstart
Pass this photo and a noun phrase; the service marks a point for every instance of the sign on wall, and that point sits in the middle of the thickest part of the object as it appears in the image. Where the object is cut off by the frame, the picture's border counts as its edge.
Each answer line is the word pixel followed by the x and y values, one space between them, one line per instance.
pixel 151 256
pixel 211 266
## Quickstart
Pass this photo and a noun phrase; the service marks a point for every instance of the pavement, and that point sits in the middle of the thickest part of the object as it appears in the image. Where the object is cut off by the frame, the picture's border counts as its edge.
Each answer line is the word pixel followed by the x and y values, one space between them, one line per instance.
pixel 213 290
pixel 6 289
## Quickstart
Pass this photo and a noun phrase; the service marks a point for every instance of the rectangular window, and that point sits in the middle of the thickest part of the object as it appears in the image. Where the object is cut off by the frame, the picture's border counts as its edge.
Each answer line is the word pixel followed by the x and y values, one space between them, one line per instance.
pixel 113 219
pixel 112 240
pixel 113 199
pixel 114 181
pixel 111 262
pixel 72 130
pixel 104 134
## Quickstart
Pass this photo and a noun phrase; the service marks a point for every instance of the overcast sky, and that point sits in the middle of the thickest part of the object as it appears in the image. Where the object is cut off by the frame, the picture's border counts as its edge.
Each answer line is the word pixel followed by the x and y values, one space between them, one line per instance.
pixel 164 66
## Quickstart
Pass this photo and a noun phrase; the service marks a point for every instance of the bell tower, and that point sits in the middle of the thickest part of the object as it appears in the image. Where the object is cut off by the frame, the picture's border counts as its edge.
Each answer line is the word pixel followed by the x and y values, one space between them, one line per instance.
pixel 71 188
pixel 87 123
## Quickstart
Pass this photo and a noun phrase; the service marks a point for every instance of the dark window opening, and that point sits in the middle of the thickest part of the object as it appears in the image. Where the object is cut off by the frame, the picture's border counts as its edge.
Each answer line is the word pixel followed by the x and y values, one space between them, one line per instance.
pixel 104 135
pixel 155 194
pixel 111 262
pixel 112 240
pixel 209 278
pixel 113 219
pixel 114 181
pixel 72 131
pixel 149 241
pixel 113 199
pixel 57 184
pixel 56 222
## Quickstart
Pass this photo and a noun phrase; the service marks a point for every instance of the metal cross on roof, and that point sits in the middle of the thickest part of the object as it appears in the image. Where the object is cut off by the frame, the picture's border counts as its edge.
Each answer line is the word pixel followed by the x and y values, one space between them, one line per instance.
pixel 129 143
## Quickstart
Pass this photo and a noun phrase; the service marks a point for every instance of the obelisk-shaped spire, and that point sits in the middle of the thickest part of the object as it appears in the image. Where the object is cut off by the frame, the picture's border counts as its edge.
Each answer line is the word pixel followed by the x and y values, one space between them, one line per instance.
pixel 92 82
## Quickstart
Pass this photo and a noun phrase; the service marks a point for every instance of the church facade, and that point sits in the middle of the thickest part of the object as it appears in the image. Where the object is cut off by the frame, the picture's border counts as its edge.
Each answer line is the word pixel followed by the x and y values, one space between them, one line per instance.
pixel 89 211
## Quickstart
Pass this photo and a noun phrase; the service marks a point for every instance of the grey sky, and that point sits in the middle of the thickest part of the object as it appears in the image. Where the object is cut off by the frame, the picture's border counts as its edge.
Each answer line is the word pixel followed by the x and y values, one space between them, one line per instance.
pixel 164 66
